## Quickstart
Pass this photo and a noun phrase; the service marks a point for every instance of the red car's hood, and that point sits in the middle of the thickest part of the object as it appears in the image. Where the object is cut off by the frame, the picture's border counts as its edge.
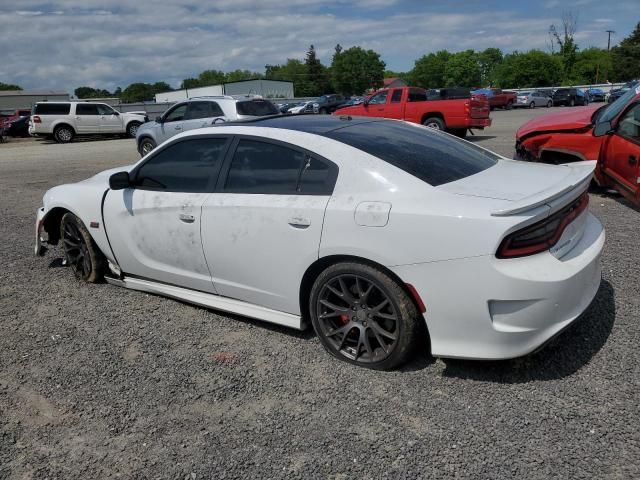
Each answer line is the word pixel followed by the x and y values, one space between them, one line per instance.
pixel 568 119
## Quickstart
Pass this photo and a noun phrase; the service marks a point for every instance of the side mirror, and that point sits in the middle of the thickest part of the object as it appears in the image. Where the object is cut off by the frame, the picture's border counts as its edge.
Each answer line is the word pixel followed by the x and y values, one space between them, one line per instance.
pixel 116 113
pixel 159 119
pixel 601 129
pixel 119 181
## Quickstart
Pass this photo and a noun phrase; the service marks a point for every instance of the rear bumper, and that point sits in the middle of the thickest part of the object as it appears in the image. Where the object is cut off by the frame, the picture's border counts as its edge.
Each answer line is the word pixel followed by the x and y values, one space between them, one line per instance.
pixel 486 308
pixel 479 123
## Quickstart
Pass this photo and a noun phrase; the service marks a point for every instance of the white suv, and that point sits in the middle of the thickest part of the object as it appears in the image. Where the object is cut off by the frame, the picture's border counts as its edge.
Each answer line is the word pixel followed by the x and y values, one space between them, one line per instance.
pixel 198 112
pixel 65 120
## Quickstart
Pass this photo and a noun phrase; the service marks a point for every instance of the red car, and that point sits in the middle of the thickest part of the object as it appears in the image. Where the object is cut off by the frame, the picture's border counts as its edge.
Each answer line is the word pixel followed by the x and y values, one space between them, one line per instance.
pixel 6 117
pixel 609 134
pixel 414 105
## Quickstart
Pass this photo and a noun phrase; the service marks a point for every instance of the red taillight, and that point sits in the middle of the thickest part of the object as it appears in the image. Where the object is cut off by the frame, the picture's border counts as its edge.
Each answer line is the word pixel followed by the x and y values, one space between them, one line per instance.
pixel 467 106
pixel 36 119
pixel 542 235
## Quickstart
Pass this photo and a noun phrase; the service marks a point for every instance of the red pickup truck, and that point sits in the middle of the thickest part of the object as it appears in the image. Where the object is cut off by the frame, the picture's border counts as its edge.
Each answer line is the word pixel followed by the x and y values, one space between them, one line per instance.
pixel 498 98
pixel 413 104
pixel 609 134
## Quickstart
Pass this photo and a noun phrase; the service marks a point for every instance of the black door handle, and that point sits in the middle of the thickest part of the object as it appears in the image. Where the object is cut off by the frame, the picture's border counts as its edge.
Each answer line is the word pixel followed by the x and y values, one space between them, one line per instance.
pixel 632 160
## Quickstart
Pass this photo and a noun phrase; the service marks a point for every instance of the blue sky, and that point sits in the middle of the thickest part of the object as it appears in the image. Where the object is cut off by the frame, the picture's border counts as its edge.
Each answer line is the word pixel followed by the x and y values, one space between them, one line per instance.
pixel 67 43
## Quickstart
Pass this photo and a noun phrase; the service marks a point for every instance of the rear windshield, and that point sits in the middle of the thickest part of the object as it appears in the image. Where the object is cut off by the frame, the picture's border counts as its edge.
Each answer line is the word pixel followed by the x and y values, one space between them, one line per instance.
pixel 256 108
pixel 433 157
pixel 52 109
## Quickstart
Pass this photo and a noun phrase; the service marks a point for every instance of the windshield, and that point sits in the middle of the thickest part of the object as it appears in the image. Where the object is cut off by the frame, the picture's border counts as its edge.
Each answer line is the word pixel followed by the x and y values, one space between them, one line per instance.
pixel 608 113
pixel 524 94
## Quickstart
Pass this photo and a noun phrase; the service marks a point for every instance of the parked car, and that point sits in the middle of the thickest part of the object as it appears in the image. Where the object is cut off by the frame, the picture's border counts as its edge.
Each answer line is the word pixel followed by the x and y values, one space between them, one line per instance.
pixel 608 134
pixel 497 97
pixel 284 107
pixel 8 116
pixel 267 219
pixel 199 112
pixel 66 120
pixel 570 97
pixel 412 104
pixel 533 99
pixel 448 93
pixel 618 92
pixel 596 94
pixel 328 103
pixel 303 107
pixel 18 127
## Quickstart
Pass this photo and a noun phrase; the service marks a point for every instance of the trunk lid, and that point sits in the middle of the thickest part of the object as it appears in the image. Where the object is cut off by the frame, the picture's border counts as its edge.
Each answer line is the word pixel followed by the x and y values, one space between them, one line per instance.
pixel 525 186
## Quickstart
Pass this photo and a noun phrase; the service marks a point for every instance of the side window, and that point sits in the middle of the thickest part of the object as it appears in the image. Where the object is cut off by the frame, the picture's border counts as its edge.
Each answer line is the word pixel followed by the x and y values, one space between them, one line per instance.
pixel 396 97
pixel 177 114
pixel 261 167
pixel 197 110
pixel 187 166
pixel 379 98
pixel 216 111
pixel 318 177
pixel 104 109
pixel 417 95
pixel 86 109
pixel 629 125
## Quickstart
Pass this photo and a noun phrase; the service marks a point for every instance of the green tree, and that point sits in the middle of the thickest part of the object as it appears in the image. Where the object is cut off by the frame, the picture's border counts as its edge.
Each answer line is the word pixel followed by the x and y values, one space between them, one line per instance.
pixel 534 68
pixel 489 60
pixel 317 75
pixel 429 70
pixel 293 71
pixel 462 70
pixel 626 57
pixel 9 86
pixel 239 75
pixel 205 79
pixel 89 92
pixel 355 70
pixel 593 65
pixel 142 92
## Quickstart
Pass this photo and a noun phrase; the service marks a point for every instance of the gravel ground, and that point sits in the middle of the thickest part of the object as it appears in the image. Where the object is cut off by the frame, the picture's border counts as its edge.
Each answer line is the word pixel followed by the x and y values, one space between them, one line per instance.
pixel 101 382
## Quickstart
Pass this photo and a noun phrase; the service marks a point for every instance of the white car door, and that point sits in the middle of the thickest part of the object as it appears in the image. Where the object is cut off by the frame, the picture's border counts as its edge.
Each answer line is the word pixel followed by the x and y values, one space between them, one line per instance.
pixel 172 122
pixel 86 119
pixel 202 114
pixel 154 227
pixel 262 227
pixel 110 120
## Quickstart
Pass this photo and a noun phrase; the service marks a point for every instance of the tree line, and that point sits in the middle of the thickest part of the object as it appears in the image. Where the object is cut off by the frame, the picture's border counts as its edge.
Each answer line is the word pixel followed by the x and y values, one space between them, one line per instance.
pixel 355 70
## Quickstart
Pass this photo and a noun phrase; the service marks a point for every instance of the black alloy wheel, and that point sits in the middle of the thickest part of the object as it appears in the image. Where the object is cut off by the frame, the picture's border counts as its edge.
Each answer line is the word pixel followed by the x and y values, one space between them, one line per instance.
pixel 81 252
pixel 363 316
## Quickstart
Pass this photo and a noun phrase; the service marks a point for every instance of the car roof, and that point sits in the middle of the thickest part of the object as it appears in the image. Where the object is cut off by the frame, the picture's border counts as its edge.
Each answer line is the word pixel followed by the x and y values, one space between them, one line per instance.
pixel 317 124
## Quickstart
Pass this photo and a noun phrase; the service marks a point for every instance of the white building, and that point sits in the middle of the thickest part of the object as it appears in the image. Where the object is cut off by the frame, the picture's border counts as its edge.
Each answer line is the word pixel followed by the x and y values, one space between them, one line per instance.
pixel 265 88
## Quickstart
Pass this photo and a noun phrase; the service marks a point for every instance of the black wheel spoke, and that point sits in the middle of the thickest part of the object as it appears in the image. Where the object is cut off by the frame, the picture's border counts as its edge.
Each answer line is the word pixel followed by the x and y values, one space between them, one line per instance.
pixel 381 331
pixel 350 325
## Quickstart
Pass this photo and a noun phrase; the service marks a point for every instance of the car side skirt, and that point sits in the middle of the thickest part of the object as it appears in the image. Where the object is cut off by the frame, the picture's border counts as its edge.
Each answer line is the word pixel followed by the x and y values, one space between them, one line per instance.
pixel 209 300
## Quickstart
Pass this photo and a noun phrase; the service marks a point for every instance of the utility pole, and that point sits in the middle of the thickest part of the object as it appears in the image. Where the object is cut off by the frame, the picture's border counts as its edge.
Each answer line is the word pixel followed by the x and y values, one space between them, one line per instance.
pixel 609 40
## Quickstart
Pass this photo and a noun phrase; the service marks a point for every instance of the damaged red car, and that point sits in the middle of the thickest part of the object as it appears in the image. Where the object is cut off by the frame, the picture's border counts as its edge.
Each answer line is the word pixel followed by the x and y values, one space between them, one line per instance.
pixel 609 135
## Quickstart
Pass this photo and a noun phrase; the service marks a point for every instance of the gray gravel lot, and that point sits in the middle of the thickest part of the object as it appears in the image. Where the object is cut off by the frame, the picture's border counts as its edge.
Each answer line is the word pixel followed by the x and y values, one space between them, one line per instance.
pixel 101 382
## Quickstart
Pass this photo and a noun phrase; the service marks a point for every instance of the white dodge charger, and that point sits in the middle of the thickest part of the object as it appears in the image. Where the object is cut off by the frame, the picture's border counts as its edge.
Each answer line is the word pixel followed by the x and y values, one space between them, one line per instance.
pixel 383 234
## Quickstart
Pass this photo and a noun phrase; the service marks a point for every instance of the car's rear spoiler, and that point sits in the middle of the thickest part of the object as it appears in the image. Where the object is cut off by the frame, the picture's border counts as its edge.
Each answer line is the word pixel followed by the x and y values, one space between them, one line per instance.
pixel 578 181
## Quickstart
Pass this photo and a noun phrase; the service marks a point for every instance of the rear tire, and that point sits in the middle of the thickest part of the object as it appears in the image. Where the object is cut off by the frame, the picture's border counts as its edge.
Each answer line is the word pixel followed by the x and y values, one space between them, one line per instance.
pixel 363 316
pixel 80 251
pixel 323 111
pixel 572 103
pixel 435 123
pixel 508 106
pixel 549 104
pixel 532 105
pixel 63 134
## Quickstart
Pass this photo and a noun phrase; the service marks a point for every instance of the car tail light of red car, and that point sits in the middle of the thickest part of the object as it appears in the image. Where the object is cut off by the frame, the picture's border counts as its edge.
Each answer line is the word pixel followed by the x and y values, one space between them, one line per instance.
pixel 542 235
pixel 36 119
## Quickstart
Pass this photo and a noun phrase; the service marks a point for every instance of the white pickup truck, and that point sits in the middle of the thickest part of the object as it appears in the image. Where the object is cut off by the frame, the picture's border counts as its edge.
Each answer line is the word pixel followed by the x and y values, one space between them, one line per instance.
pixel 66 120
